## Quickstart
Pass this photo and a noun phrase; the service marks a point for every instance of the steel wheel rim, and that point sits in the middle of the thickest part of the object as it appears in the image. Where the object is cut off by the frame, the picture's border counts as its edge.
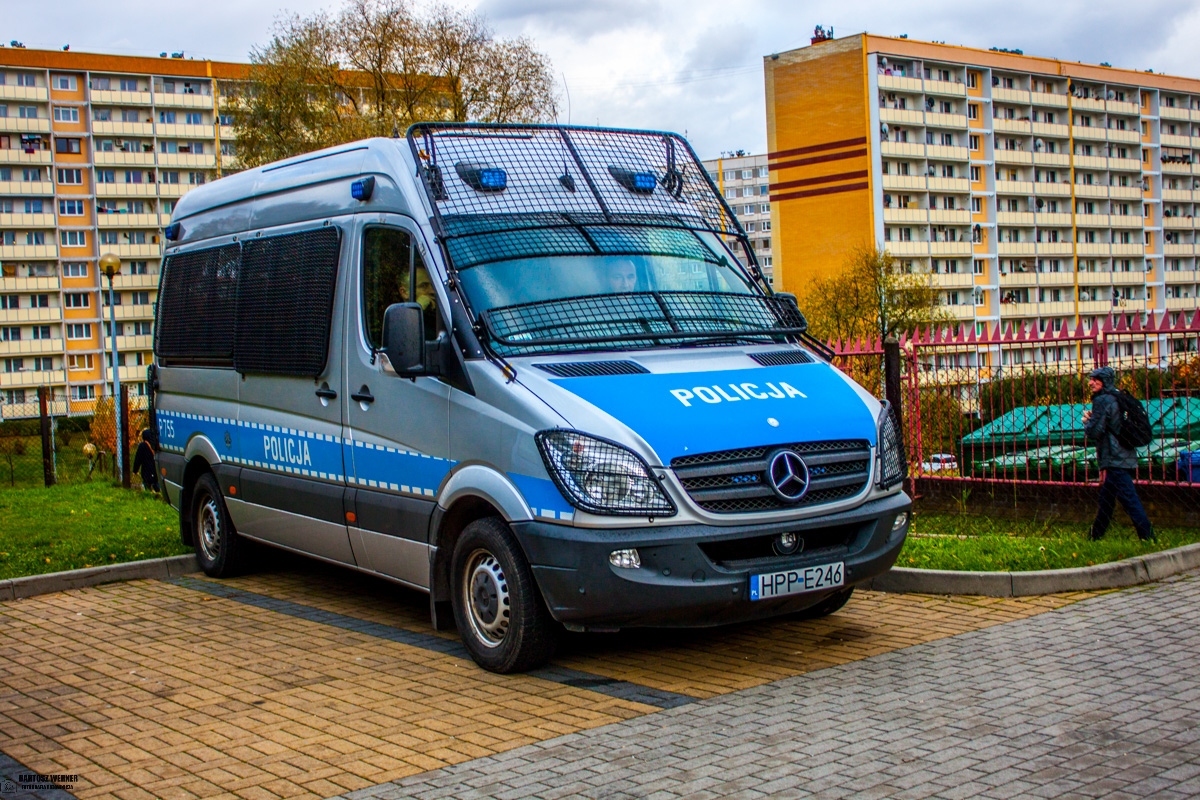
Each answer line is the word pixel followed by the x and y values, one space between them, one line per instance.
pixel 208 528
pixel 486 598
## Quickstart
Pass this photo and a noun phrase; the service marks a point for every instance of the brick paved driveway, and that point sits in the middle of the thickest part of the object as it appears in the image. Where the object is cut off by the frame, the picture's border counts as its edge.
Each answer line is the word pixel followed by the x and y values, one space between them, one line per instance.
pixel 310 682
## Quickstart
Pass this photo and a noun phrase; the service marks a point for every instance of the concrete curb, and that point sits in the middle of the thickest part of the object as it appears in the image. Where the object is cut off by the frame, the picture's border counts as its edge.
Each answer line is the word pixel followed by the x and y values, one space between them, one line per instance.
pixel 170 567
pixel 1115 575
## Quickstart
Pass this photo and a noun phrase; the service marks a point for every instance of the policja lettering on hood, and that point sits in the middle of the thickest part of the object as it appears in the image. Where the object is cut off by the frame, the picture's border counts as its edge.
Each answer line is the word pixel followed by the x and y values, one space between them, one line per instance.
pixel 744 391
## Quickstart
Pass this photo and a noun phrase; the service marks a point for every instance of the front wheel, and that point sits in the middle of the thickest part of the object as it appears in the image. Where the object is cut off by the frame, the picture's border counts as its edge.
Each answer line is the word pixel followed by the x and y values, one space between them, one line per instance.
pixel 497 606
pixel 219 550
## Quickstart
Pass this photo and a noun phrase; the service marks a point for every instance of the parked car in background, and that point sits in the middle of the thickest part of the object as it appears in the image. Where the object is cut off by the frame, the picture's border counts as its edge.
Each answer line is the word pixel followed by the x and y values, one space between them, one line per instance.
pixel 939 462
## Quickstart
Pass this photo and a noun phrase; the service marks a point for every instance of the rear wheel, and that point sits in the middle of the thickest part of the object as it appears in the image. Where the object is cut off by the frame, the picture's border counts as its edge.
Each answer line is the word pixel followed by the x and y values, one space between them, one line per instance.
pixel 829 605
pixel 219 549
pixel 497 606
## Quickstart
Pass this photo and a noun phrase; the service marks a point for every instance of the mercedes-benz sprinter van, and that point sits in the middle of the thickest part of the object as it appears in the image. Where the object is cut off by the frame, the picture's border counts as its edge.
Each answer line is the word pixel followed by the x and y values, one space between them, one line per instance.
pixel 534 371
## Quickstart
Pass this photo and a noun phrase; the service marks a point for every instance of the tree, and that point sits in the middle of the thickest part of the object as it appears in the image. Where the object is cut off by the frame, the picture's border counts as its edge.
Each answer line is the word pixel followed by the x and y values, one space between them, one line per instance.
pixel 871 297
pixel 375 68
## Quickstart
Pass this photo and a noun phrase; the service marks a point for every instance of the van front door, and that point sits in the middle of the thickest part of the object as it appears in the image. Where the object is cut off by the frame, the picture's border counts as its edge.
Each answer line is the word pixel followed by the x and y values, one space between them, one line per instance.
pixel 293 480
pixel 398 427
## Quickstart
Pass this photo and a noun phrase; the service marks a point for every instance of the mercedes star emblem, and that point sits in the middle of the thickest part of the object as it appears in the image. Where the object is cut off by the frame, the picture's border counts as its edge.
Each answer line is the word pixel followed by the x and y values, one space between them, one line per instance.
pixel 788 476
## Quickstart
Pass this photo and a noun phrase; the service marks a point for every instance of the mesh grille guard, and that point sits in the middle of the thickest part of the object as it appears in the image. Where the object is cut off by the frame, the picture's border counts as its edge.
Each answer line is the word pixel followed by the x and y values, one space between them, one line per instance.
pixel 563 183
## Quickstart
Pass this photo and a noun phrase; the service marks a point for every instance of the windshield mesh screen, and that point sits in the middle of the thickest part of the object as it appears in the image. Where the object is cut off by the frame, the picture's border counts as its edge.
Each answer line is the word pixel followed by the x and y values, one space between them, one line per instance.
pixel 644 318
pixel 197 305
pixel 567 191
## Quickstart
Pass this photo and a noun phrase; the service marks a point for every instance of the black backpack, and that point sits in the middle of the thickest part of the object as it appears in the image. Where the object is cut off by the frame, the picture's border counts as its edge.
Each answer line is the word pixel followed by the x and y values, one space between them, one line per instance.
pixel 1134 430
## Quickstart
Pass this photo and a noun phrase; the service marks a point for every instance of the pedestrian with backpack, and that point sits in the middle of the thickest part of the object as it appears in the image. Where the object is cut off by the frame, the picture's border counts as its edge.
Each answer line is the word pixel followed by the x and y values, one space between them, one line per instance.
pixel 1118 425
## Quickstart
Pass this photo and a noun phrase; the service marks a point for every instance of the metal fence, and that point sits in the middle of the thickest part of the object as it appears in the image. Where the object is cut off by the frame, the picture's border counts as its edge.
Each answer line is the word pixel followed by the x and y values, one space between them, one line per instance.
pixel 993 417
pixel 40 444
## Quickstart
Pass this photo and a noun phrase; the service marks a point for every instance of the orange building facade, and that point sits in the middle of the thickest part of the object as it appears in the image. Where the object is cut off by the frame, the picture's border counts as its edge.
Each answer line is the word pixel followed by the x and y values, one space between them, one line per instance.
pixel 94 152
pixel 1033 192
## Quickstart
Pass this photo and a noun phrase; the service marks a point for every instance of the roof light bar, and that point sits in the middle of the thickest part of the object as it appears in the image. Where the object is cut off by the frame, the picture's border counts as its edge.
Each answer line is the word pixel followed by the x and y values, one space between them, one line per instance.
pixel 482 177
pixel 636 182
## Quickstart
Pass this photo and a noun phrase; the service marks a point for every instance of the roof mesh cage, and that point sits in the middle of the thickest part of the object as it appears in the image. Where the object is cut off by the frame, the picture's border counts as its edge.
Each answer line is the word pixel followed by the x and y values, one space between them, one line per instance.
pixel 562 190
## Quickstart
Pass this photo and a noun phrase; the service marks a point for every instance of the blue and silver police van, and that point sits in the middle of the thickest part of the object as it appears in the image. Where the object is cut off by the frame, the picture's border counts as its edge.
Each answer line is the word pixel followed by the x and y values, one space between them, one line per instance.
pixel 533 371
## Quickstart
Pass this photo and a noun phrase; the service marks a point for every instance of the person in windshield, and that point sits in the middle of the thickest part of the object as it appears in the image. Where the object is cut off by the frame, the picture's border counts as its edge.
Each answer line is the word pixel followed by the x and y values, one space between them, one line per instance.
pixel 427 297
pixel 621 276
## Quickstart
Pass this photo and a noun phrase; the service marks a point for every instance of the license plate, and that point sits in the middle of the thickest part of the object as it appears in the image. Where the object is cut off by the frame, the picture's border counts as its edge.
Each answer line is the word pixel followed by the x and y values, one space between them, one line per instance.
pixel 797 581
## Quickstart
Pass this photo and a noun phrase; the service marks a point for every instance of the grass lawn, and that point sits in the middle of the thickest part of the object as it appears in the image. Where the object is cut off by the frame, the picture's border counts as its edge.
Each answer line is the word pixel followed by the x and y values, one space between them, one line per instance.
pixel 82 525
pixel 978 543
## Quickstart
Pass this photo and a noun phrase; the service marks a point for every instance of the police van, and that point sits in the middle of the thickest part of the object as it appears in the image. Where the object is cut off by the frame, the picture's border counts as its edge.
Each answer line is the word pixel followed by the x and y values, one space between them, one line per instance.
pixel 533 371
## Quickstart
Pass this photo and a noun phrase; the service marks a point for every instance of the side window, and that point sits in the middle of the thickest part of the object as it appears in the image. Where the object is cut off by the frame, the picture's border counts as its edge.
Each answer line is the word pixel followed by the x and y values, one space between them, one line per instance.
pixel 197 305
pixel 393 272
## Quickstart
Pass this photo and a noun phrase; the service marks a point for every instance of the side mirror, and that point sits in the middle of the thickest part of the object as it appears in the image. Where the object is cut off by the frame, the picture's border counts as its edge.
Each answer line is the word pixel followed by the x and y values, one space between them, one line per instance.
pixel 404 338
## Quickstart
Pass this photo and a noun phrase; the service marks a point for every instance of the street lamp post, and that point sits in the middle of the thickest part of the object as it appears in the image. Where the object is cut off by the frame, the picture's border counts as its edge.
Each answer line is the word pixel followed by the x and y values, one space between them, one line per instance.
pixel 110 265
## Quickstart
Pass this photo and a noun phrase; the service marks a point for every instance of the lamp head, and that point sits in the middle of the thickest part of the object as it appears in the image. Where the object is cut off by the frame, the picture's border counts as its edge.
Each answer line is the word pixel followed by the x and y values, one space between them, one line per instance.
pixel 110 265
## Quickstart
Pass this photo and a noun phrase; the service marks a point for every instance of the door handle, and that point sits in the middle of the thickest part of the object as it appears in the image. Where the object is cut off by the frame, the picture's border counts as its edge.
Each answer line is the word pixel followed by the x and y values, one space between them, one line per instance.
pixel 363 395
pixel 325 393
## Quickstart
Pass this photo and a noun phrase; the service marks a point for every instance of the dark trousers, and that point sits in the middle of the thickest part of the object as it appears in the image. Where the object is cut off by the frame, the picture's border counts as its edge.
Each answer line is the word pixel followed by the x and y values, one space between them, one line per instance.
pixel 1118 485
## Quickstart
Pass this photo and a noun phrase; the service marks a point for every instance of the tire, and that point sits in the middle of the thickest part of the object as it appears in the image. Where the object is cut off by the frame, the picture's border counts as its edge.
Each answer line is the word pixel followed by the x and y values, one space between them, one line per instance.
pixel 829 605
pixel 498 609
pixel 219 549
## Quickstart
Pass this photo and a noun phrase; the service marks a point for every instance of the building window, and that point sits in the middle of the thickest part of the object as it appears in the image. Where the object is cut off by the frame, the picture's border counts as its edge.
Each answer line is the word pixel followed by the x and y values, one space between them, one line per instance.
pixel 138 268
pixel 166 117
pixel 973 141
pixel 70 208
pixel 109 237
pixel 197 178
pixel 73 238
pixel 83 392
pixel 27 112
pixel 75 269
pixel 64 83
pixel 106 176
pixel 77 300
pixel 70 177
pixel 194 118
pixel 66 114
pixel 977 205
pixel 66 145
pixel 141 298
pixel 79 330
pixel 81 361
pixel 973 110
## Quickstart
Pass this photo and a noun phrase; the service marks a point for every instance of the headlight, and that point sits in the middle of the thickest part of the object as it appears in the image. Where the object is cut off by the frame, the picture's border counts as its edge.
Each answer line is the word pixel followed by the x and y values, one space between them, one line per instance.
pixel 600 476
pixel 891 449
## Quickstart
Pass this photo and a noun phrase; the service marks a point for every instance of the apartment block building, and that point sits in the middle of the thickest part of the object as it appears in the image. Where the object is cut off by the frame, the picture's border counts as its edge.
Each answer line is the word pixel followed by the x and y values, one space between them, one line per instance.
pixel 94 152
pixel 744 180
pixel 1036 194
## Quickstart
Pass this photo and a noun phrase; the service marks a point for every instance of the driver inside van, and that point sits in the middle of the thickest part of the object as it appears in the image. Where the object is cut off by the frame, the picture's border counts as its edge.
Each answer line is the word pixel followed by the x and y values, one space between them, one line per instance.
pixel 427 297
pixel 620 276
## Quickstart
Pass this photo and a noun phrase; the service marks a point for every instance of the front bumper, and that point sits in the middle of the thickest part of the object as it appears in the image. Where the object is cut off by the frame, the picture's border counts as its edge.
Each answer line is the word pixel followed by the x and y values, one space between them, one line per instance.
pixel 691 575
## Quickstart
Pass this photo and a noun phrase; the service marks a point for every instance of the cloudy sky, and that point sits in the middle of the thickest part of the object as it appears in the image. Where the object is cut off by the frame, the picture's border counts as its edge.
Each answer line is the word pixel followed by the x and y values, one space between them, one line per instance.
pixel 685 65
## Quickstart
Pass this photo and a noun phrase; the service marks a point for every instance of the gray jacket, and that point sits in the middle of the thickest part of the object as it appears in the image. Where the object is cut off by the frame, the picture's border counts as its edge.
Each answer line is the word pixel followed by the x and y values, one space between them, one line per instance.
pixel 1102 428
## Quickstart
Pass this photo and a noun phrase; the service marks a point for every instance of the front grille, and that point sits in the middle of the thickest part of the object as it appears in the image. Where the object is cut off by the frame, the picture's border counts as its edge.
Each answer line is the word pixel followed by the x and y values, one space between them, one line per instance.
pixel 733 553
pixel 735 481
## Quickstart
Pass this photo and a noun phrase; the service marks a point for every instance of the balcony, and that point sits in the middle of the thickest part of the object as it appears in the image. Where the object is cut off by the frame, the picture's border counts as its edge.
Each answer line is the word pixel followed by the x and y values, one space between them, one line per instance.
pixel 1055 308
pixel 895 82
pixel 1179 249
pixel 132 373
pixel 1014 187
pixel 1130 249
pixel 1089 133
pixel 126 190
pixel 1117 135
pixel 1055 248
pixel 26 220
pixel 102 97
pixel 1096 306
pixel 1125 164
pixel 13 315
pixel 31 378
pixel 1091 162
pixel 1056 219
pixel 1018 309
pixel 123 159
pixel 952 280
pixel 227 134
pixel 1182 303
pixel 950 248
pixel 1181 276
pixel 1175 168
pixel 176 130
pixel 918 215
pixel 174 189
pixel 916 182
pixel 121 220
pixel 1056 278
pixel 903 116
pixel 1125 305
pixel 1177 195
pixel 1016 248
pixel 1052 189
pixel 207 160
pixel 1091 190
pixel 1015 96
pixel 112 128
pixel 1172 140
pixel 1012 156
pixel 11 155
pixel 25 188
pixel 907 248
pixel 1125 192
pixel 950 216
pixel 1092 220
pixel 1123 107
pixel 21 252
pixel 180 100
pixel 934 119
pixel 31 347
pixel 1051 129
pixel 953 88
pixel 1170 223
pixel 1095 278
pixel 1009 279
pixel 946 152
pixel 1047 99
pixel 1014 218
pixel 125 282
pixel 29 284
pixel 960 185
pixel 19 125
pixel 1052 159
pixel 1022 127
pixel 960 311
pixel 35 93
pixel 133 250
pixel 126 344
pixel 1089 103
pixel 1129 278
pixel 1093 248
pixel 132 312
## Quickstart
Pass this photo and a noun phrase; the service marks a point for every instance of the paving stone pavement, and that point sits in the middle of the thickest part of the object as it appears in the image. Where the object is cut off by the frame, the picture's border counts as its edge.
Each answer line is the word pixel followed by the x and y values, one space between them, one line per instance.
pixel 1097 699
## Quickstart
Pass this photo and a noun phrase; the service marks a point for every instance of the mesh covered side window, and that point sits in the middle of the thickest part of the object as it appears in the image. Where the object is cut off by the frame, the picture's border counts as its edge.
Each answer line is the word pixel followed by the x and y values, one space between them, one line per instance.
pixel 197 305
pixel 285 302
